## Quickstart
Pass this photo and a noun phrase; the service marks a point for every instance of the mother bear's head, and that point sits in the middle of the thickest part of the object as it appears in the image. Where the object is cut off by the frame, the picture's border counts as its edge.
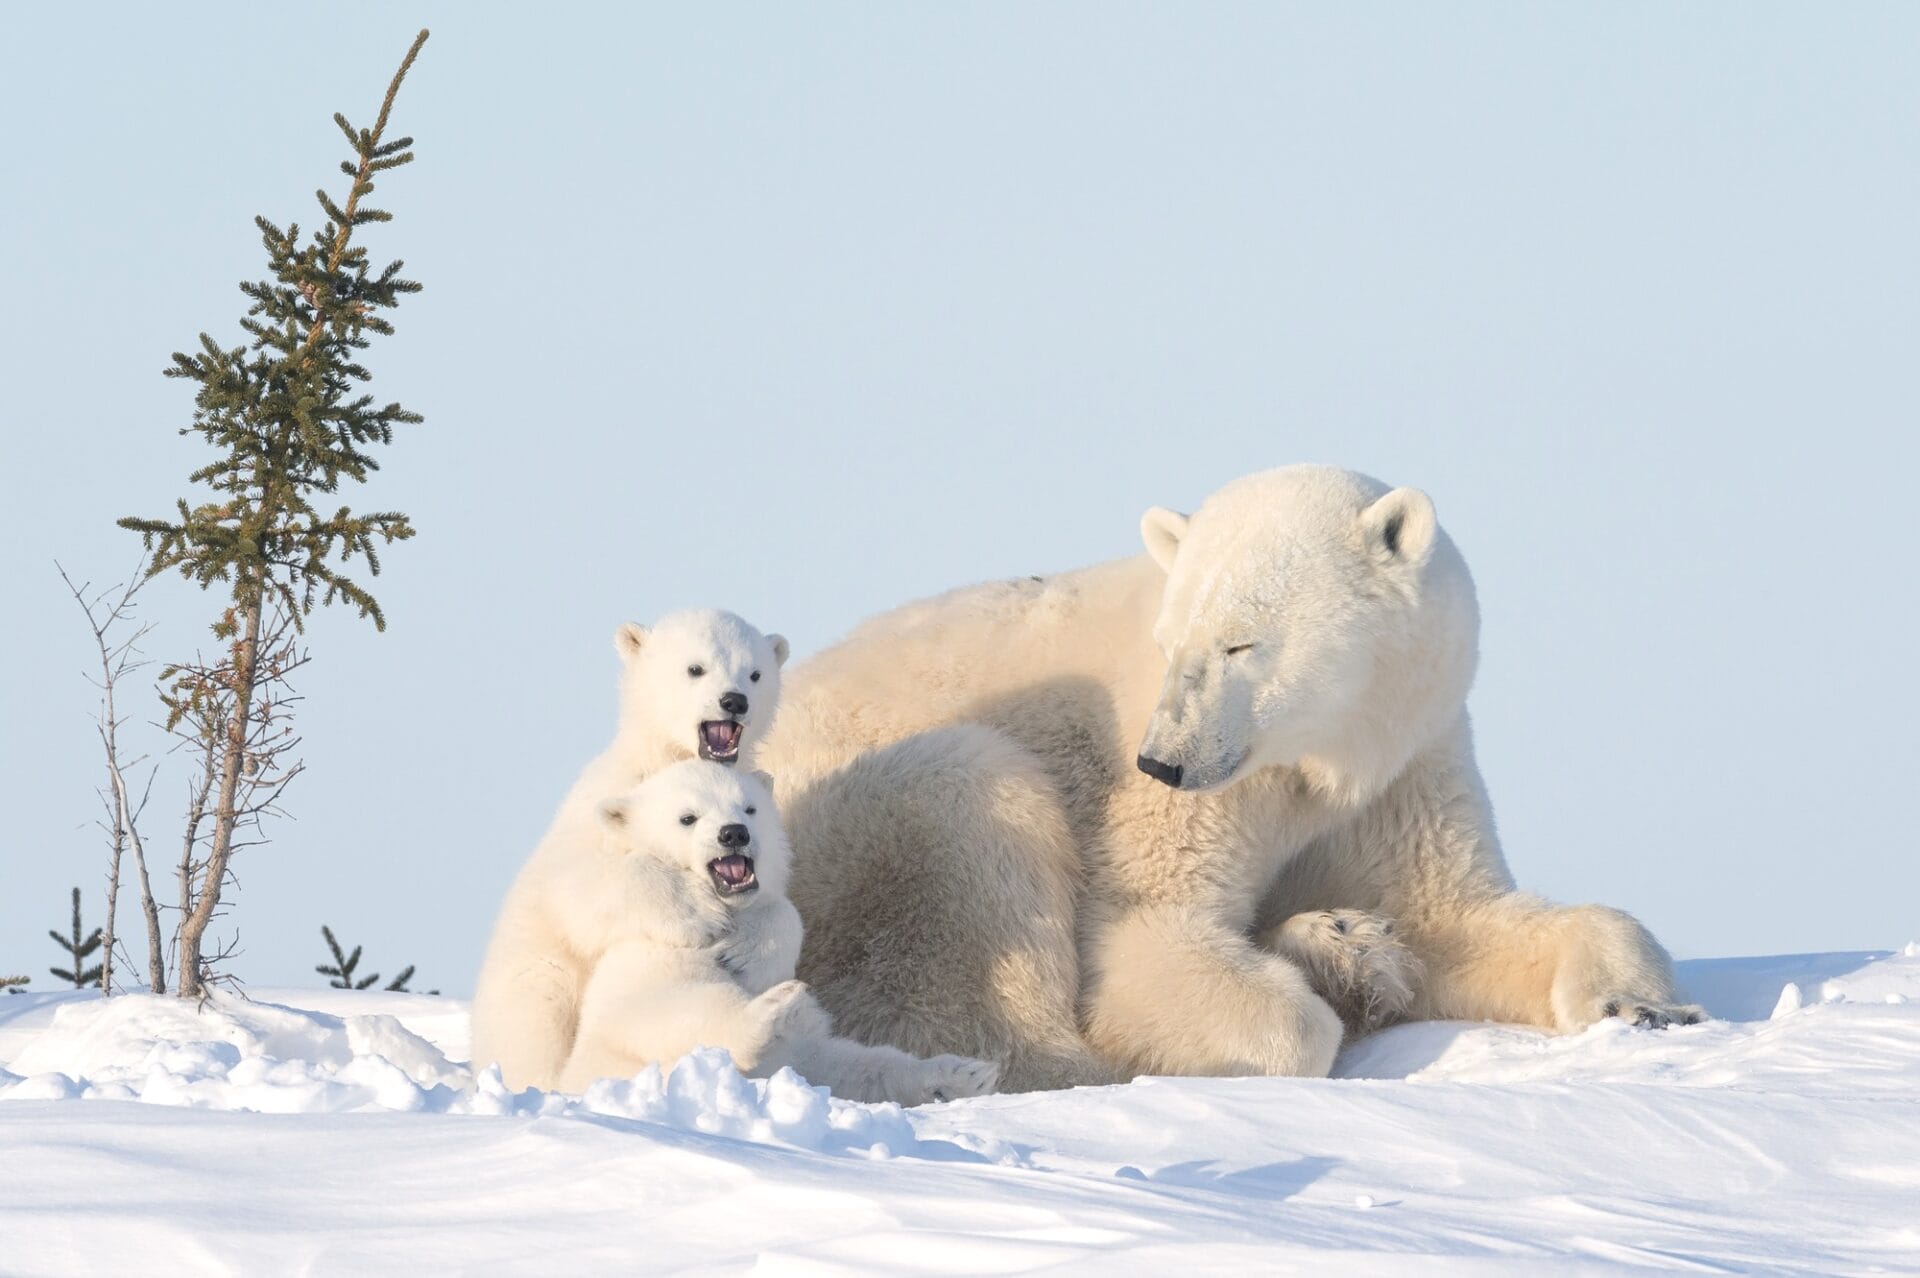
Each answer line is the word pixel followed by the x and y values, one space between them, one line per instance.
pixel 1312 618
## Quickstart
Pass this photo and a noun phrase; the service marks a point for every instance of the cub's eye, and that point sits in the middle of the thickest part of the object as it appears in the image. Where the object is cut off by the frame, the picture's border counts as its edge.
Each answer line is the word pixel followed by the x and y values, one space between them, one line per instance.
pixel 688 819
pixel 751 811
pixel 754 677
pixel 1239 648
pixel 696 671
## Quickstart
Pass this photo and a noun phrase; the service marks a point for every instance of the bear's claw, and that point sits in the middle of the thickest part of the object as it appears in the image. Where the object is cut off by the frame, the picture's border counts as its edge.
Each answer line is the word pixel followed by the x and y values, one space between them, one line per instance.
pixel 1645 1015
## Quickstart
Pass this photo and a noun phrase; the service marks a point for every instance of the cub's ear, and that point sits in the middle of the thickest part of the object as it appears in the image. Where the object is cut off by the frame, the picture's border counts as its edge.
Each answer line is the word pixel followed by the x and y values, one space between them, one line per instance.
pixel 1162 530
pixel 628 639
pixel 1400 527
pixel 764 778
pixel 615 814
pixel 780 649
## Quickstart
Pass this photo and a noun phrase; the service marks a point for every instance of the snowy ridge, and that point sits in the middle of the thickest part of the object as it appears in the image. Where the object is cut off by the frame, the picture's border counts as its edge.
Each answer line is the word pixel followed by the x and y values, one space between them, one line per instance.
pixel 270 1058
pixel 340 1132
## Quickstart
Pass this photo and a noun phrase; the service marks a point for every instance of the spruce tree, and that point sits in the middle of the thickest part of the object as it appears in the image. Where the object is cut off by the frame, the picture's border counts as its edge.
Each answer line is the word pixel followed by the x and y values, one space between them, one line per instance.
pixel 288 422
pixel 81 947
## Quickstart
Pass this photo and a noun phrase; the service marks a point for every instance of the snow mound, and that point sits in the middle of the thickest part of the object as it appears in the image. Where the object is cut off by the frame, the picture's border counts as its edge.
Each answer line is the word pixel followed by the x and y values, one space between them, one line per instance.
pixel 262 1057
pixel 232 1055
pixel 339 1132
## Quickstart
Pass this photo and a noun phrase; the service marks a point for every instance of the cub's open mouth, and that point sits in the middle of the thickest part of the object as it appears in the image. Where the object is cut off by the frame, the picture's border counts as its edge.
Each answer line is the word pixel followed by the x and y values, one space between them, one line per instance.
pixel 733 874
pixel 720 740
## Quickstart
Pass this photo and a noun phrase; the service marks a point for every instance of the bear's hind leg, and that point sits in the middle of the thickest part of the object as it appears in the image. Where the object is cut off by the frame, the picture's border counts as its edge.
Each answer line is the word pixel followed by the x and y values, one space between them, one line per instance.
pixel 856 1071
pixel 940 886
pixel 525 1015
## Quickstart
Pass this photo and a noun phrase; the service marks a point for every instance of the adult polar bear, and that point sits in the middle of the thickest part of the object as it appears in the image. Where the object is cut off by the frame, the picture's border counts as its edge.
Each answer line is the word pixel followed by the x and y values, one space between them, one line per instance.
pixel 984 870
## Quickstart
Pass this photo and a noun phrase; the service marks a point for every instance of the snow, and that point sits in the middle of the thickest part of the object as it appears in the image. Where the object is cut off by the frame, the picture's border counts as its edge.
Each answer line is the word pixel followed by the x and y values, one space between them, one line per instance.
pixel 341 1132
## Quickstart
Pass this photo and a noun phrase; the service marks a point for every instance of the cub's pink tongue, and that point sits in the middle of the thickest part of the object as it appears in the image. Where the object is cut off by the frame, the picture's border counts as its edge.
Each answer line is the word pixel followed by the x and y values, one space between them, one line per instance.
pixel 735 869
pixel 720 736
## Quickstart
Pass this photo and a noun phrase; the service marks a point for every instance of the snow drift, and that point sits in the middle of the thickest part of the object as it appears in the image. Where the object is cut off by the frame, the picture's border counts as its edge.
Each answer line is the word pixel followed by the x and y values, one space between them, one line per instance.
pixel 333 1131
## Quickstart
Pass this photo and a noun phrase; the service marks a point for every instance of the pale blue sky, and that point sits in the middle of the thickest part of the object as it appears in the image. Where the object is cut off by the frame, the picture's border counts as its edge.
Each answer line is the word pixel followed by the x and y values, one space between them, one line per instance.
pixel 808 310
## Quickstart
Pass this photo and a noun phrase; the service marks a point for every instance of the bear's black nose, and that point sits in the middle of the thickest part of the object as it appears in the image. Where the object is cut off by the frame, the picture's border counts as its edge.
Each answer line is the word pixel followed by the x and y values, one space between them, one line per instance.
pixel 733 702
pixel 1165 772
pixel 735 836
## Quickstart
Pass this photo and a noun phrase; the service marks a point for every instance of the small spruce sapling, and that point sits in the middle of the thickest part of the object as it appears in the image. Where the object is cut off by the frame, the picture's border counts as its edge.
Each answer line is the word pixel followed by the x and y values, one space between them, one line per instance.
pixel 80 948
pixel 13 984
pixel 289 423
pixel 342 976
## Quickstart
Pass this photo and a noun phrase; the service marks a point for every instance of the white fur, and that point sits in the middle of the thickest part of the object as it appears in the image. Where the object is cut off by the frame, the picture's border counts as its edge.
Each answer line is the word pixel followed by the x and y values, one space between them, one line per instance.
pixel 960 783
pixel 556 921
pixel 700 968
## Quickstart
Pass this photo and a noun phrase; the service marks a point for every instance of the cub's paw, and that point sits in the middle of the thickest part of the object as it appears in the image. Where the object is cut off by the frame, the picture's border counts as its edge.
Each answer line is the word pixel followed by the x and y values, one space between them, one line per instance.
pixel 1354 961
pixel 786 1010
pixel 951 1077
pixel 1650 1014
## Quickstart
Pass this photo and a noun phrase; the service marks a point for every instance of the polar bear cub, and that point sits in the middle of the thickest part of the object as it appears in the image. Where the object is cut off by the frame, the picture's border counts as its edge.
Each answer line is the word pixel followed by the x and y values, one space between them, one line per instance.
pixel 694 862
pixel 697 684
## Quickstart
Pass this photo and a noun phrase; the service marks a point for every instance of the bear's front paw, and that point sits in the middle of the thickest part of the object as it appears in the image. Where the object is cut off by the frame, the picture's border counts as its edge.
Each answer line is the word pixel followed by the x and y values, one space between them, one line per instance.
pixel 957 1076
pixel 1354 961
pixel 1649 1014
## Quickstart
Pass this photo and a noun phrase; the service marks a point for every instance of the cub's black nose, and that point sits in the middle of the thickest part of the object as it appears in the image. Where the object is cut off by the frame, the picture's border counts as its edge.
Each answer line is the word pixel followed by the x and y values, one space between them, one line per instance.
pixel 735 836
pixel 733 702
pixel 1169 773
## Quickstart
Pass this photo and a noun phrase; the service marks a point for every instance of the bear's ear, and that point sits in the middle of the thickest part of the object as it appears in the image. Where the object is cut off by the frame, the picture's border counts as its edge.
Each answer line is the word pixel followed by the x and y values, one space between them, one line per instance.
pixel 780 649
pixel 615 814
pixel 764 778
pixel 628 639
pixel 1400 527
pixel 1162 530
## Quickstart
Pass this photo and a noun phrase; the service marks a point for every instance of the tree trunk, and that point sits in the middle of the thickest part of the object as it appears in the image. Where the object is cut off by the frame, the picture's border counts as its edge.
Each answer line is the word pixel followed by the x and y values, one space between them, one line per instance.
pixel 196 813
pixel 156 957
pixel 246 655
pixel 113 906
pixel 186 895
